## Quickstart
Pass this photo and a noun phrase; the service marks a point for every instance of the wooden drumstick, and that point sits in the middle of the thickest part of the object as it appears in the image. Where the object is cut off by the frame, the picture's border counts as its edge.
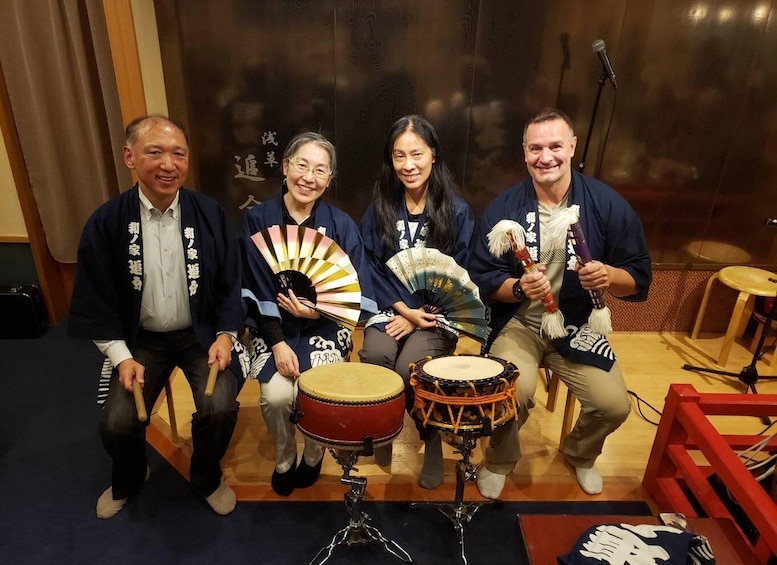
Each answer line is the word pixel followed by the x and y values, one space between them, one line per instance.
pixel 507 235
pixel 568 220
pixel 211 384
pixel 140 404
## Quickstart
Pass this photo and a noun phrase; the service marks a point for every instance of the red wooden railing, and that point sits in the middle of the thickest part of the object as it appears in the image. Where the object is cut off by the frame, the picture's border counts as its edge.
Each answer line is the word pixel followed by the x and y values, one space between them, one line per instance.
pixel 672 475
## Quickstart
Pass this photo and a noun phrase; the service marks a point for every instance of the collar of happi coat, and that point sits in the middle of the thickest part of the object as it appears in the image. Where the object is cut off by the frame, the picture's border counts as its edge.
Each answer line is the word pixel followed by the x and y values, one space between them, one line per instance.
pixel 190 245
pixel 418 239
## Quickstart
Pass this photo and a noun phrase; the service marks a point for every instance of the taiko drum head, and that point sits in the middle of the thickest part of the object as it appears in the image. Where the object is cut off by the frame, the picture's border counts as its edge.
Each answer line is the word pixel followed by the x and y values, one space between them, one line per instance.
pixel 458 369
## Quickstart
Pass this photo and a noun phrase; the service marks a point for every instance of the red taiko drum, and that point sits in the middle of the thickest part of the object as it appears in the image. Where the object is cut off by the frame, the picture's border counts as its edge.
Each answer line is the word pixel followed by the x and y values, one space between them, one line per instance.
pixel 340 405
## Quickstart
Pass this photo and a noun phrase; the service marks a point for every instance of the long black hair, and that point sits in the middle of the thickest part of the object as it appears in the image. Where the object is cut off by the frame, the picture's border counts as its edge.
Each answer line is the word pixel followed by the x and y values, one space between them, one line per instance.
pixel 389 192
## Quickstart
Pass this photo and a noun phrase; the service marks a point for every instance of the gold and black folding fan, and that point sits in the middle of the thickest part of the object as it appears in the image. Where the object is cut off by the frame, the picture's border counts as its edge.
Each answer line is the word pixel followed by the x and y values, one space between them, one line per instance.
pixel 313 266
pixel 444 287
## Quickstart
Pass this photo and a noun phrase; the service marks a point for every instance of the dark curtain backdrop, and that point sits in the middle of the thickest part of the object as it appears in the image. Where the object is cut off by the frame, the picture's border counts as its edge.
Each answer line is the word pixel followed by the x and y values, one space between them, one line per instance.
pixel 689 138
pixel 56 60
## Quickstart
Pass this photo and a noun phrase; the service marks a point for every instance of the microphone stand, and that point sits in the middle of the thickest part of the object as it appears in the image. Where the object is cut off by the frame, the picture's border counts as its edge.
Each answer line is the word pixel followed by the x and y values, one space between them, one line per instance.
pixel 749 373
pixel 564 67
pixel 602 79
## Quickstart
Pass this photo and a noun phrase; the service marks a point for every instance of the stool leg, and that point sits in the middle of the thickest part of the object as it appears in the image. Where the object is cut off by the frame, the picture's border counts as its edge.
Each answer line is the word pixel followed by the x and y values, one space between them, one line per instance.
pixel 747 313
pixel 703 307
pixel 552 392
pixel 171 411
pixel 733 327
pixel 569 419
pixel 759 329
pixel 773 361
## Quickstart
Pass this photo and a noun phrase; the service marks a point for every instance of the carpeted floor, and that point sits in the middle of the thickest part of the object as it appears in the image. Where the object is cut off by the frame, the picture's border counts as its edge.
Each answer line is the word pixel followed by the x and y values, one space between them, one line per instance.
pixel 52 468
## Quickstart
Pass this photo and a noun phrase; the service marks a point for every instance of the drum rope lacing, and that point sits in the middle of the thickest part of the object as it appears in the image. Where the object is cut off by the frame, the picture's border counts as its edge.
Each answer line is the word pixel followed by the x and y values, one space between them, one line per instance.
pixel 507 394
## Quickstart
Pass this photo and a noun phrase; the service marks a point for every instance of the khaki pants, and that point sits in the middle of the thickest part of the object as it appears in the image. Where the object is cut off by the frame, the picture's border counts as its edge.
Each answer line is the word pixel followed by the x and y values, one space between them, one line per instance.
pixel 602 394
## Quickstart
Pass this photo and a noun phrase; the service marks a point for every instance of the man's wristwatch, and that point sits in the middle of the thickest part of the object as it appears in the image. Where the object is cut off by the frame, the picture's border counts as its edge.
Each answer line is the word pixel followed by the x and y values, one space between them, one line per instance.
pixel 518 291
pixel 231 337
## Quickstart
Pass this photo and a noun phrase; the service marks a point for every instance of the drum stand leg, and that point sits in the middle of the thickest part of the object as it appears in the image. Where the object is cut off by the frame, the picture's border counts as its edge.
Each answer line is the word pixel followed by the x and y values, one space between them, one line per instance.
pixel 460 512
pixel 358 530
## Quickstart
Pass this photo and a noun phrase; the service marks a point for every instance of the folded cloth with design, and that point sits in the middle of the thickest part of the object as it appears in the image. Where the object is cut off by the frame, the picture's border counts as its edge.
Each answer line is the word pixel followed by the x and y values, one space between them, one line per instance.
pixel 626 544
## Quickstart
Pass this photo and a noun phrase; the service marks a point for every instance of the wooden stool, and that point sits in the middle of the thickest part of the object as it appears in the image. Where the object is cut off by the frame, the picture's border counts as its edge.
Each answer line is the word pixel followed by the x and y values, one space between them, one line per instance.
pixel 750 282
pixel 569 406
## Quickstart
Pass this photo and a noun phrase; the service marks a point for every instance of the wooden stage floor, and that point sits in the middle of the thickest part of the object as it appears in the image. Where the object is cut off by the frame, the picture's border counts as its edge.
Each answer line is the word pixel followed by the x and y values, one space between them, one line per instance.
pixel 650 362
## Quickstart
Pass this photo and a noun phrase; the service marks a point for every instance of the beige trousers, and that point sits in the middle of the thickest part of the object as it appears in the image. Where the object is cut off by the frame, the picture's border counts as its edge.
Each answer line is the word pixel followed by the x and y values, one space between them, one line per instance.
pixel 602 394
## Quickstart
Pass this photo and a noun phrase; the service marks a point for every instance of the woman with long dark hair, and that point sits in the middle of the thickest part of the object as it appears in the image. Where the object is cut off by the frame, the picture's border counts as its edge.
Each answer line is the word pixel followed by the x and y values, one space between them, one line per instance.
pixel 415 204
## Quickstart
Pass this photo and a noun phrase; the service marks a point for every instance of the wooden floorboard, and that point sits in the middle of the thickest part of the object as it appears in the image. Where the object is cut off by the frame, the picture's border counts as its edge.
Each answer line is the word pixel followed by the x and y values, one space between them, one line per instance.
pixel 650 363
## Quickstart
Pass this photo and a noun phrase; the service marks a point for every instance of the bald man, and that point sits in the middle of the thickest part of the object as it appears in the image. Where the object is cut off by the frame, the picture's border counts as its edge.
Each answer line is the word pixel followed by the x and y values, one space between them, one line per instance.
pixel 158 287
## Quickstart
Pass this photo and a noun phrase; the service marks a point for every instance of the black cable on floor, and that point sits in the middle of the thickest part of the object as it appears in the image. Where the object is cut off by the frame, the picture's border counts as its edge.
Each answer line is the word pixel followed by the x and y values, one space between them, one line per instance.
pixel 640 402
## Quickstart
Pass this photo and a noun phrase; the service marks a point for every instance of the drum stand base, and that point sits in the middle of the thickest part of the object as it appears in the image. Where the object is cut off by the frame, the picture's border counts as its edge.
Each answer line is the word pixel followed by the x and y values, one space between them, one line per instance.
pixel 460 512
pixel 357 531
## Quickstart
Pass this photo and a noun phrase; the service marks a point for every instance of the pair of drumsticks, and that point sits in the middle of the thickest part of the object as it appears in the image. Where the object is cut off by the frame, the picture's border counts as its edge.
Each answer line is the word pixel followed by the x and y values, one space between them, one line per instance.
pixel 508 234
pixel 140 404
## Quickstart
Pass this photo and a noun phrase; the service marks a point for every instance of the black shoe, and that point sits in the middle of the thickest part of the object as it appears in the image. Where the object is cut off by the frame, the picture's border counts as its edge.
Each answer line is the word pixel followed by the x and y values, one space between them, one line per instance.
pixel 283 483
pixel 307 475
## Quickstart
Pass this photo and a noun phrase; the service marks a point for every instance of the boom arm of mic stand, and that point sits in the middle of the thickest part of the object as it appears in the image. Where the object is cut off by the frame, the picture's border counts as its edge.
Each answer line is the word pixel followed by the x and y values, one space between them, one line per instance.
pixel 602 80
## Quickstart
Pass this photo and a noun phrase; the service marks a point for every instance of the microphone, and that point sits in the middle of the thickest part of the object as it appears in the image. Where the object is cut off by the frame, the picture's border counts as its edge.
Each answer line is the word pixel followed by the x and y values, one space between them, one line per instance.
pixel 598 47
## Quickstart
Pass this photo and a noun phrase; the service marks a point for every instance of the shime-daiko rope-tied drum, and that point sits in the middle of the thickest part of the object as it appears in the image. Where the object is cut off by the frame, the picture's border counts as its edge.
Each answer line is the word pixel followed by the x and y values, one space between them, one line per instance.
pixel 348 405
pixel 464 393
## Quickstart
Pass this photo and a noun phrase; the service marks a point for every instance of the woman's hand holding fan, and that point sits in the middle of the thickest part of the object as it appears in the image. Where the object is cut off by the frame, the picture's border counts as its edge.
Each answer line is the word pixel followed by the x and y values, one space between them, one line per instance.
pixel 312 271
pixel 298 307
pixel 450 299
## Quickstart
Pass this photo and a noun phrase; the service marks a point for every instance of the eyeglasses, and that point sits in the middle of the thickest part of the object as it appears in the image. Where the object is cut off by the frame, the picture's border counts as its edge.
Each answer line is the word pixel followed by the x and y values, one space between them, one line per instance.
pixel 321 173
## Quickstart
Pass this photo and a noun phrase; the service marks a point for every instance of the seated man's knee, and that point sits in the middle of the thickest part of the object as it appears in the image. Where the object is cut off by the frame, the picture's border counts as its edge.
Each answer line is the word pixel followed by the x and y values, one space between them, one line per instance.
pixel 378 348
pixel 525 387
pixel 120 421
pixel 614 412
pixel 220 406
pixel 620 411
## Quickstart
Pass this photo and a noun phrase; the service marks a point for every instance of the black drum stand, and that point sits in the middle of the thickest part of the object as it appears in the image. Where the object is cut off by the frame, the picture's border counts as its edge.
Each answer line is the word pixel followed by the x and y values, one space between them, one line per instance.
pixel 460 512
pixel 358 531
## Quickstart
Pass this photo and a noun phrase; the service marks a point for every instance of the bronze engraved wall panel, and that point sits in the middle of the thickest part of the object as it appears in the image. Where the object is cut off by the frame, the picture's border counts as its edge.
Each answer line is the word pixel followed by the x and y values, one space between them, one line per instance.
pixel 689 137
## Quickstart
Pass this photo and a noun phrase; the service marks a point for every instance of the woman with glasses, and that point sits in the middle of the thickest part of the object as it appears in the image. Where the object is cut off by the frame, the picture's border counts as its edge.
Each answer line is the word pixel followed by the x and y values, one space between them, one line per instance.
pixel 287 336
pixel 415 204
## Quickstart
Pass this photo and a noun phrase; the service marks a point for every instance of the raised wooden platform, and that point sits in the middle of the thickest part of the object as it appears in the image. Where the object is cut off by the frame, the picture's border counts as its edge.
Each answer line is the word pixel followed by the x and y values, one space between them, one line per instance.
pixel 651 362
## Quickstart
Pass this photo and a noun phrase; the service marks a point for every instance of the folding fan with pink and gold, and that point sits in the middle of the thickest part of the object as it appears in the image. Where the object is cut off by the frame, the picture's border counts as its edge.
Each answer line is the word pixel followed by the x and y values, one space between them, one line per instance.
pixel 315 268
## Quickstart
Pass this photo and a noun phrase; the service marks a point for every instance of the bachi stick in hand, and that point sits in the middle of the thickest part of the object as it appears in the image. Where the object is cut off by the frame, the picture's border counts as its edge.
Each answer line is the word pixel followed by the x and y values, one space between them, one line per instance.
pixel 140 404
pixel 211 384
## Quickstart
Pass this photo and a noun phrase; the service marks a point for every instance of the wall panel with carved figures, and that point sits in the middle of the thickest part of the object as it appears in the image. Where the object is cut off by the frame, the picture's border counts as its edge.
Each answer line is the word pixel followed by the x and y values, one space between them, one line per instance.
pixel 689 136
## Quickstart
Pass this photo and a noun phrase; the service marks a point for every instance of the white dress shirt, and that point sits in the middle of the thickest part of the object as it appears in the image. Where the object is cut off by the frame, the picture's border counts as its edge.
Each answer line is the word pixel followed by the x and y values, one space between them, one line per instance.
pixel 164 305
